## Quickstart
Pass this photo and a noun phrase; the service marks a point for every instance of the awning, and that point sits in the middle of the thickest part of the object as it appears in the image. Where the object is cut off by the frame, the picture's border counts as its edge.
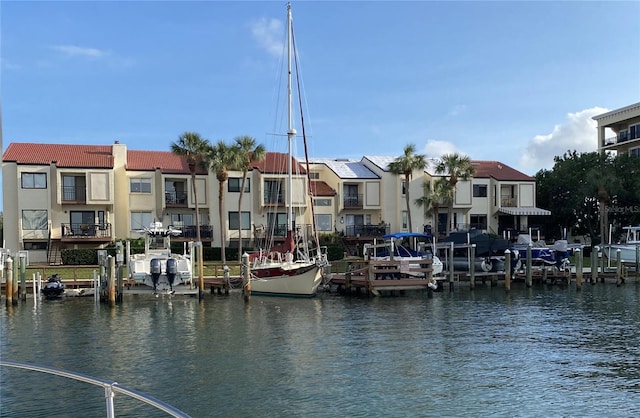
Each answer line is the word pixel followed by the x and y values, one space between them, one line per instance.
pixel 524 211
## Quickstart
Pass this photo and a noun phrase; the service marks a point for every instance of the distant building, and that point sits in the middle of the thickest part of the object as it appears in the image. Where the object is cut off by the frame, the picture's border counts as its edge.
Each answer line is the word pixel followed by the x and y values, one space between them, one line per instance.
pixel 625 124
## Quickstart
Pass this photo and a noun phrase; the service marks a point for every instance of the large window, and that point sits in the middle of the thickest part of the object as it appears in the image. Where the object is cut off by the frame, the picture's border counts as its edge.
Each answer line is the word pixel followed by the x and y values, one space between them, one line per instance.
pixel 34 180
pixel 73 188
pixel 140 220
pixel 324 222
pixel 405 219
pixel 478 221
pixel 180 220
pixel 479 190
pixel 272 192
pixel 235 183
pixel 140 185
pixel 245 220
pixel 34 219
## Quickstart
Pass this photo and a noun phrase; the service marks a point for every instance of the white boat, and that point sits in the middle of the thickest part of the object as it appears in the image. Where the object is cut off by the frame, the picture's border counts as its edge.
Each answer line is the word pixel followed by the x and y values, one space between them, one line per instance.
pixel 290 269
pixel 628 248
pixel 158 268
pixel 407 247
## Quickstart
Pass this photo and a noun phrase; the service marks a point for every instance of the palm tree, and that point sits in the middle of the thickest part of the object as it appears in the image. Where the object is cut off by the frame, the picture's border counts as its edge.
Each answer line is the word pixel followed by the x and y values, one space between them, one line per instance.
pixel 221 158
pixel 458 168
pixel 194 148
pixel 248 151
pixel 436 192
pixel 405 165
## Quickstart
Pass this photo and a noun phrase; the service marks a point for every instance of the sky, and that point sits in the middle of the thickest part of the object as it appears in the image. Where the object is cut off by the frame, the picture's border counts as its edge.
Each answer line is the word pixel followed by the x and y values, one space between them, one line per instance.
pixel 512 81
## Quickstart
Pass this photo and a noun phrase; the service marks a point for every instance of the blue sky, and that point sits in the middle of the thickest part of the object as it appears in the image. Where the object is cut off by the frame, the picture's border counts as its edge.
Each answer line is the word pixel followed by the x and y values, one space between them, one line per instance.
pixel 514 81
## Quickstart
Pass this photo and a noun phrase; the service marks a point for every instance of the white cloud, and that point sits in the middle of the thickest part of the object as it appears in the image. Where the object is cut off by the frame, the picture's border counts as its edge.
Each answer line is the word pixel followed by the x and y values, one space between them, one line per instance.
pixel 436 149
pixel 577 132
pixel 75 51
pixel 268 33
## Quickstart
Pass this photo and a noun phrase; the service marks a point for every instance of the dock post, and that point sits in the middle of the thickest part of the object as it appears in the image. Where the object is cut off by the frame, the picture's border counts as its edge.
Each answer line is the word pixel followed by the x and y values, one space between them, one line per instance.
pixel 96 287
pixel 9 288
pixel 637 261
pixel 201 271
pixel 594 267
pixel 23 276
pixel 112 281
pixel 529 278
pixel 120 262
pixel 246 282
pixel 472 266
pixel 16 269
pixel 619 279
pixel 507 271
pixel 601 258
pixel 451 267
pixel 579 263
pixel 35 295
pixel 227 281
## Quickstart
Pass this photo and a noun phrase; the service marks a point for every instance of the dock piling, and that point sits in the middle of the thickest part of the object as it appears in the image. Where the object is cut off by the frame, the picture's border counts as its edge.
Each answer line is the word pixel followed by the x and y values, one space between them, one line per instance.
pixel 507 271
pixel 472 266
pixel 619 278
pixel 579 263
pixel 9 287
pixel 529 279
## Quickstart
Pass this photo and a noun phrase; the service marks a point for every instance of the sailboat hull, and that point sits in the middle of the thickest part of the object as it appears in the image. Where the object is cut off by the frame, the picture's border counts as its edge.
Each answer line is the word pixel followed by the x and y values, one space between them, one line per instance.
pixel 294 279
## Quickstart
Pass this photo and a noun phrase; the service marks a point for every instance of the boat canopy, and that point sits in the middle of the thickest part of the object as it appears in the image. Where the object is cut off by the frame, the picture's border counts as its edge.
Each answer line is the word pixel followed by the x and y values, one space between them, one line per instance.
pixel 399 235
pixel 520 211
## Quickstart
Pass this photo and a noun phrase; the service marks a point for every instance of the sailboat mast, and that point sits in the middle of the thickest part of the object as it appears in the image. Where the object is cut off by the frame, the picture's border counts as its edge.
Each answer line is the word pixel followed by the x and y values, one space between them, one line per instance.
pixel 291 132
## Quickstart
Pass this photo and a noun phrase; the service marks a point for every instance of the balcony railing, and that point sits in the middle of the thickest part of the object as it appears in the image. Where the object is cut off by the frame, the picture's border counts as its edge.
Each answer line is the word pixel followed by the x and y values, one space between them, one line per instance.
pixel 273 199
pixel 352 201
pixel 175 199
pixel 508 201
pixel 85 230
pixel 190 233
pixel 366 230
pixel 72 194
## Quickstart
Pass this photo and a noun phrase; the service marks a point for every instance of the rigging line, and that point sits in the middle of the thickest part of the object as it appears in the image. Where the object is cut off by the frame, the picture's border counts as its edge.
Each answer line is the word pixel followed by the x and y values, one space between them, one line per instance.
pixel 304 141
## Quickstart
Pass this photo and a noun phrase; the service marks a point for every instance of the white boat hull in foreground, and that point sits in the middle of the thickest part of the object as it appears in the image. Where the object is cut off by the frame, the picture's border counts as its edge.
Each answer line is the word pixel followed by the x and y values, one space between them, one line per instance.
pixel 286 279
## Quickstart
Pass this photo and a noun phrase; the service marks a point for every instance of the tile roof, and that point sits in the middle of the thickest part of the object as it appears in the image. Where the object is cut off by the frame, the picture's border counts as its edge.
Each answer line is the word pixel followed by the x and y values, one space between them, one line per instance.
pixel 276 163
pixel 499 171
pixel 347 169
pixel 320 188
pixel 166 161
pixel 65 155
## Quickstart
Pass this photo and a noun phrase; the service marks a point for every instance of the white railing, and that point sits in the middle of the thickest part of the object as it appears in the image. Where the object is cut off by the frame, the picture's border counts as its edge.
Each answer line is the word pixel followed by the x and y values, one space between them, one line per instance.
pixel 110 387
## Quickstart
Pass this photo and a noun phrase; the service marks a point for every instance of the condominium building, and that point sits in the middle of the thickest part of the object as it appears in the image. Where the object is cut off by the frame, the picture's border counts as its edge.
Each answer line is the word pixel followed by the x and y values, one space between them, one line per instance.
pixel 86 196
pixel 625 125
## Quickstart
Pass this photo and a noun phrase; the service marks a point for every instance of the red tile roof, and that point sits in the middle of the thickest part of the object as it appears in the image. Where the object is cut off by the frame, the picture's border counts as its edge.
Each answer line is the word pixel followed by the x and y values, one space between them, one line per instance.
pixel 320 188
pixel 65 155
pixel 276 163
pixel 499 171
pixel 166 161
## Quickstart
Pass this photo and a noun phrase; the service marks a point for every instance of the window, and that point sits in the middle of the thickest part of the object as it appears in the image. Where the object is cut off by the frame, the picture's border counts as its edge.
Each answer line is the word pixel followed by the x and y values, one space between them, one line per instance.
pixel 272 192
pixel 35 245
pixel 245 220
pixel 73 188
pixel 314 176
pixel 405 220
pixel 324 222
pixel 34 180
pixel 34 220
pixel 634 131
pixel 404 187
pixel 140 185
pixel 140 220
pixel 235 183
pixel 478 221
pixel 321 202
pixel 180 220
pixel 634 152
pixel 479 190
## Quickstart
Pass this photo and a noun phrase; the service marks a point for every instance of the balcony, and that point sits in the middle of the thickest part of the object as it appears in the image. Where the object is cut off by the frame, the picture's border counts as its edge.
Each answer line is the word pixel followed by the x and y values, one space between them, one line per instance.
pixel 189 233
pixel 507 201
pixel 175 199
pixel 366 230
pixel 74 195
pixel 273 200
pixel 84 231
pixel 352 201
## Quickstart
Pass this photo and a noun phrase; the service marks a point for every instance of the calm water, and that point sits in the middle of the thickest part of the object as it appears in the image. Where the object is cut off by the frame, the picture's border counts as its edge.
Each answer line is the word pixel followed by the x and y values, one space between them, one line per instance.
pixel 544 351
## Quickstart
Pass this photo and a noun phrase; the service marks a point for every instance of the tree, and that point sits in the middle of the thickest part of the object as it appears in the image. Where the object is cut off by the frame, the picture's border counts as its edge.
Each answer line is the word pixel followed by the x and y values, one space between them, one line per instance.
pixel 458 168
pixel 405 165
pixel 194 148
pixel 220 159
pixel 435 192
pixel 248 151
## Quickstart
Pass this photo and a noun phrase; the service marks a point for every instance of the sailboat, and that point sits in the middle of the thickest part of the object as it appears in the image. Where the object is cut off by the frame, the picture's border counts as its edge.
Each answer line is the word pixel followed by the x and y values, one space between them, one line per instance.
pixel 291 268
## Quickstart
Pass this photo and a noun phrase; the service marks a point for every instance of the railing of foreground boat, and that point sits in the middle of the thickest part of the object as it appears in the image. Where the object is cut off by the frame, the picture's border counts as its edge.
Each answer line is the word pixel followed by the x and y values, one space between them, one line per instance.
pixel 110 387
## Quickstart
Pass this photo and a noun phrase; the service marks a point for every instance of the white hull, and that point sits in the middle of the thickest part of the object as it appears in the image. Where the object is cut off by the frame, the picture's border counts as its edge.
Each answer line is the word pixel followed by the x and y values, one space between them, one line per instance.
pixel 627 252
pixel 140 267
pixel 287 279
pixel 436 264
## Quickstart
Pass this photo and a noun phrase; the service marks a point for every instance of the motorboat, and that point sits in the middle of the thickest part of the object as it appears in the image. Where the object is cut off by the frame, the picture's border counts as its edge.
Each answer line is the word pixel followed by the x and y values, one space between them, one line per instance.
pixel 54 288
pixel 411 247
pixel 628 248
pixel 159 268
pixel 556 255
pixel 489 251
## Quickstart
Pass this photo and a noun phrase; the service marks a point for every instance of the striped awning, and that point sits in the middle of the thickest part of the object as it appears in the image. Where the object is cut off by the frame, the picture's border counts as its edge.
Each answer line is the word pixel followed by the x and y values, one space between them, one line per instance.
pixel 524 211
